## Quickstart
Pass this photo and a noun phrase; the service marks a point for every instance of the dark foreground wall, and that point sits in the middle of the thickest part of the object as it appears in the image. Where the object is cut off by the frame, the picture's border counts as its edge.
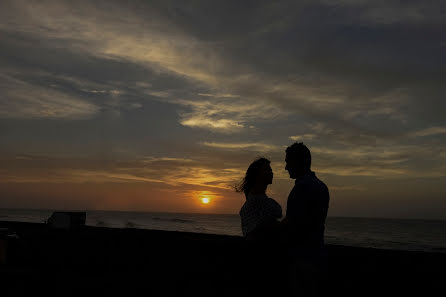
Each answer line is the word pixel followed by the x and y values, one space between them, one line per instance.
pixel 131 262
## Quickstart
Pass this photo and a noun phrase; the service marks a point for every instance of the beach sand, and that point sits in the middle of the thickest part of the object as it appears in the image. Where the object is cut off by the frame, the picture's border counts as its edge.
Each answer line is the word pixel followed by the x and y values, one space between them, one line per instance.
pixel 132 262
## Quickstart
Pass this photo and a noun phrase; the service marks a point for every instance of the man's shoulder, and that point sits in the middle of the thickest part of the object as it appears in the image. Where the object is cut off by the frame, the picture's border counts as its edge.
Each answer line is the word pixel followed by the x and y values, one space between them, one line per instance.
pixel 310 183
pixel 308 179
pixel 320 182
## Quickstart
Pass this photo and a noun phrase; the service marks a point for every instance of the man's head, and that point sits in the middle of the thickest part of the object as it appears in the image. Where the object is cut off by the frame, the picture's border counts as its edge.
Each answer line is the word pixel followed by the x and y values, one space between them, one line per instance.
pixel 298 160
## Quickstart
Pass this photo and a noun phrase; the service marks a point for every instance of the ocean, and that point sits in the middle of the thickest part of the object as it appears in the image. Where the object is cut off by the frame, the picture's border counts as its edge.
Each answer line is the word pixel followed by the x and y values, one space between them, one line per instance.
pixel 398 234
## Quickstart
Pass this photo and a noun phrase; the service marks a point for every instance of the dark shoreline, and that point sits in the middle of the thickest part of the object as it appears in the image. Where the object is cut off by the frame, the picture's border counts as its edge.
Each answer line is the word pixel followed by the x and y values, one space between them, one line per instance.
pixel 134 262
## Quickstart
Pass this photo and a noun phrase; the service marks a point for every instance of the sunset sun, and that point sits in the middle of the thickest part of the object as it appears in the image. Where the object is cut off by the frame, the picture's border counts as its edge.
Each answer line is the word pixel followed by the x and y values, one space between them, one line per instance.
pixel 204 198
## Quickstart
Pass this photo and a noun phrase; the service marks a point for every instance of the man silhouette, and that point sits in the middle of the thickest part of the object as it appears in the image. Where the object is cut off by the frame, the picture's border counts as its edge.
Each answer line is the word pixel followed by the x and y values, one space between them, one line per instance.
pixel 304 224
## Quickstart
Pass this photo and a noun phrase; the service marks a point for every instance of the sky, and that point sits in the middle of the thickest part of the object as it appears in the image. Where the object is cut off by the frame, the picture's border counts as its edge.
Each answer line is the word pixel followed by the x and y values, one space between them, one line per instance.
pixel 154 105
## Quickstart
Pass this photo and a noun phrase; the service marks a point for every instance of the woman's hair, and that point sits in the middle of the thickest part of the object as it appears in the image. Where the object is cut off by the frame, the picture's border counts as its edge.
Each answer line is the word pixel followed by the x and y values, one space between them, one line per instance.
pixel 249 180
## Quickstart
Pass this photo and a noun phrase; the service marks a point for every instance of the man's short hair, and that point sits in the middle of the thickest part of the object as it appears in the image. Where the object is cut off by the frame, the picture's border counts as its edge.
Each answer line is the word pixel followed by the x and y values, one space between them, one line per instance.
pixel 299 152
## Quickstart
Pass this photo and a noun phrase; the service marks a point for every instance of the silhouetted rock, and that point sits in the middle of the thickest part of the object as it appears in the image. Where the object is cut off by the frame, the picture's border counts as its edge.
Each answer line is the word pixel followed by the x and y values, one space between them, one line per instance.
pixel 67 220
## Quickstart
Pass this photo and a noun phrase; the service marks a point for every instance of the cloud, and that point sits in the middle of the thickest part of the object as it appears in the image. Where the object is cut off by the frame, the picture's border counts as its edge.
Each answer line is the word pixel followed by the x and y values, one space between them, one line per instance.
pixel 429 132
pixel 382 160
pixel 322 80
pixel 161 94
pixel 221 125
pixel 302 137
pixel 171 171
pixel 391 12
pixel 22 100
pixel 225 116
pixel 90 29
pixel 219 95
pixel 260 147
pixel 348 188
pixel 166 159
pixel 300 77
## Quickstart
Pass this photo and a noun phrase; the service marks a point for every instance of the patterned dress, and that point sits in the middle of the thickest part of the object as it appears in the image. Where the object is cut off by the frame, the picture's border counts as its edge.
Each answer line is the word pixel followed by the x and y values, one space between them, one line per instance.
pixel 258 210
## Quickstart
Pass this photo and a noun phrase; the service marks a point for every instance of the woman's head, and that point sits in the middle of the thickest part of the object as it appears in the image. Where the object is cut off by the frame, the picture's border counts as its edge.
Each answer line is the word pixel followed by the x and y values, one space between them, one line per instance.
pixel 259 173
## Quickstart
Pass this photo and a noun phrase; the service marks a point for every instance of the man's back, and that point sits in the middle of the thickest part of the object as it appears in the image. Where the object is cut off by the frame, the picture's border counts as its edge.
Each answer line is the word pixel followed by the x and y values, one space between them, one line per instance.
pixel 307 209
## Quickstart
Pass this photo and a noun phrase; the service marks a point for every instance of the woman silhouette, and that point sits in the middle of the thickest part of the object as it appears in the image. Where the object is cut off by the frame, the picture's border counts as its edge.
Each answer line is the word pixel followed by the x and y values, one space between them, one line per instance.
pixel 259 214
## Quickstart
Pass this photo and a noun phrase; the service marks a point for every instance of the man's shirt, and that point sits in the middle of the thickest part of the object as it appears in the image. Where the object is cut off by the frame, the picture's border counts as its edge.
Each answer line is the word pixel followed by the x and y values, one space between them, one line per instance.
pixel 307 208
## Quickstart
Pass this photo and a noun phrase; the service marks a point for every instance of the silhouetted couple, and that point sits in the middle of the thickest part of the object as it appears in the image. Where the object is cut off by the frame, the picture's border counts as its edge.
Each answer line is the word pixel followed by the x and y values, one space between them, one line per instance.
pixel 299 237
